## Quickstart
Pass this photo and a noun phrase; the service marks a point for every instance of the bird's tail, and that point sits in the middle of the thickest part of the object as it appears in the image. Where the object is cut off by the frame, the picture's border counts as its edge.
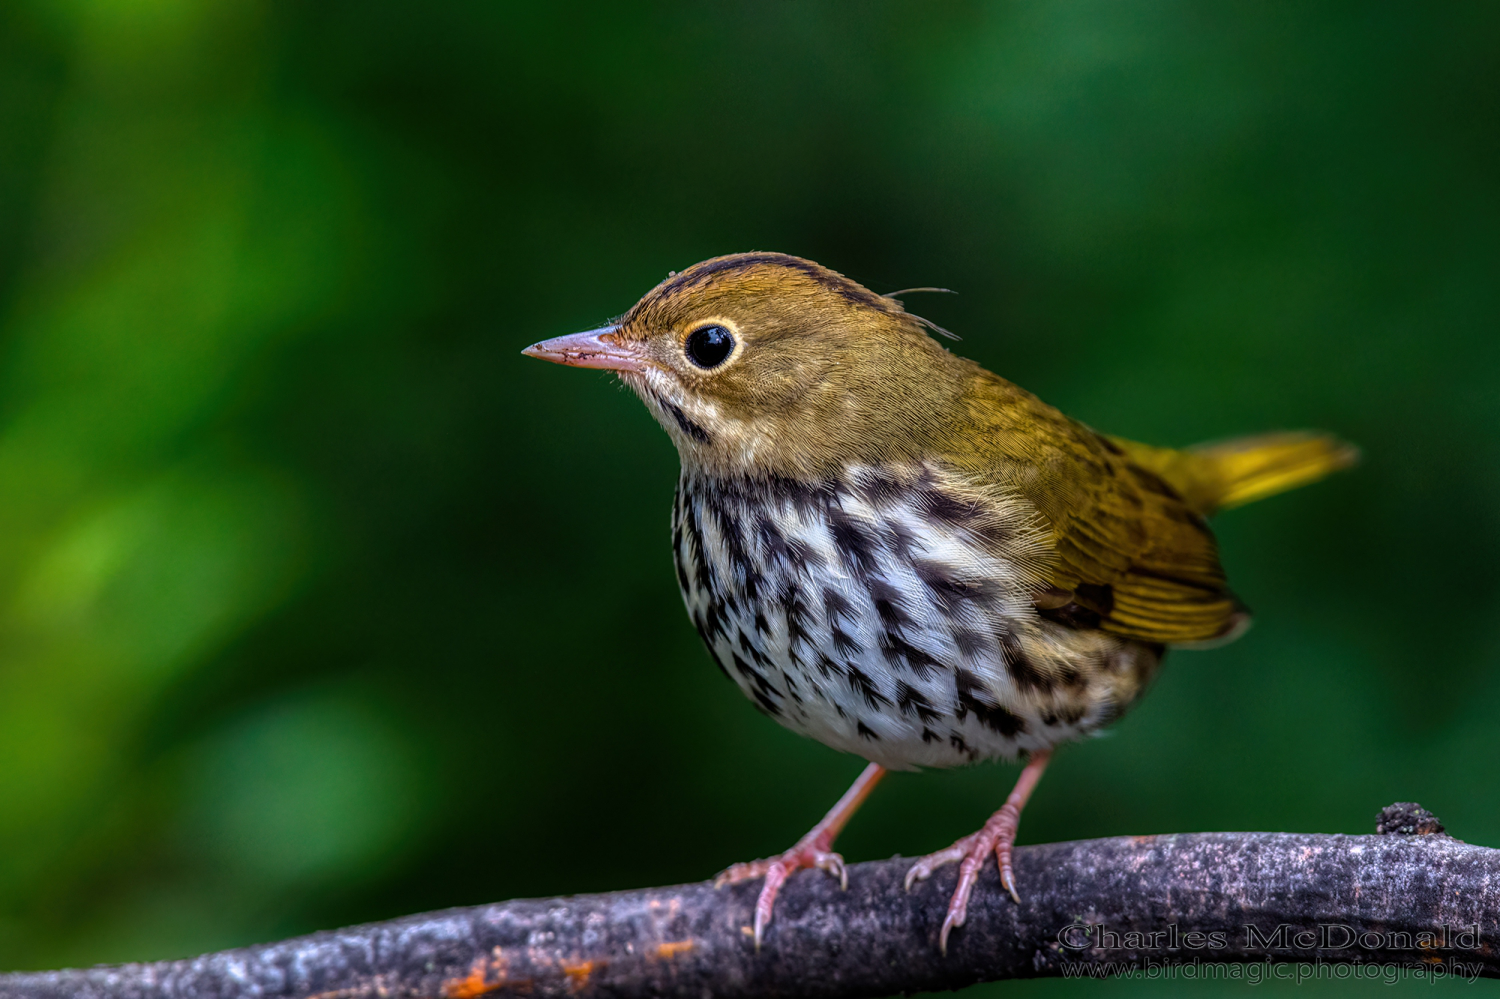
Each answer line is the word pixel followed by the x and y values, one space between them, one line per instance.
pixel 1224 474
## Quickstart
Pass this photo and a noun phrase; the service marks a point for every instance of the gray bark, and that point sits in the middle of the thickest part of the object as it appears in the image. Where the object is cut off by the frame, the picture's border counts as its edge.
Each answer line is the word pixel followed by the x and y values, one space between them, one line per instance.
pixel 1207 900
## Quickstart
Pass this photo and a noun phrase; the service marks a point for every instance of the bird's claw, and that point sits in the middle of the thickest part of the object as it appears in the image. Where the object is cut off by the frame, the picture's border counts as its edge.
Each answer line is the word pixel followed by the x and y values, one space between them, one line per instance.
pixel 832 863
pixel 776 870
pixel 926 866
pixel 1008 877
pixel 952 920
pixel 969 853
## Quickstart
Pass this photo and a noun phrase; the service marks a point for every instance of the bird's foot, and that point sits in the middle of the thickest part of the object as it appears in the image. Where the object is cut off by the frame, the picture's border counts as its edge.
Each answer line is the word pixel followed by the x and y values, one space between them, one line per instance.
pixel 998 836
pixel 813 850
pixel 777 869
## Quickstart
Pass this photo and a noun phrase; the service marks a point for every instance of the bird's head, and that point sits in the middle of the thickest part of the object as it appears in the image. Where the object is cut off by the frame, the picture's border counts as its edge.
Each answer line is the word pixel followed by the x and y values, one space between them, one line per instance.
pixel 763 362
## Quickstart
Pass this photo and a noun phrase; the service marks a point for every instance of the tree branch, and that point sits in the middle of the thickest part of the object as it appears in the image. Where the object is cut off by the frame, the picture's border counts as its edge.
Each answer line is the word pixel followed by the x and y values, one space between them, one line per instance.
pixel 1202 899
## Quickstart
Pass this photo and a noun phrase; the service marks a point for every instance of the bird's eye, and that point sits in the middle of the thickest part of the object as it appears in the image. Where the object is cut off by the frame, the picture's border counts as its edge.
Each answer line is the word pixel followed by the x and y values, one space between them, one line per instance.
pixel 708 346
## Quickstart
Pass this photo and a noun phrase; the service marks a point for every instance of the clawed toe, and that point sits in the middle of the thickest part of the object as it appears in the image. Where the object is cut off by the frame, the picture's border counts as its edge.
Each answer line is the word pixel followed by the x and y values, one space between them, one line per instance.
pixel 833 864
pixel 926 866
pixel 1008 877
pixel 997 837
pixel 776 870
pixel 793 860
pixel 812 850
pixel 736 873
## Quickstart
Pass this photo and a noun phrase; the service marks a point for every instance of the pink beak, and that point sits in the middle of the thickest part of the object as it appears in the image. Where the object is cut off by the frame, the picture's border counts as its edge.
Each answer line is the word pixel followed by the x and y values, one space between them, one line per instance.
pixel 598 348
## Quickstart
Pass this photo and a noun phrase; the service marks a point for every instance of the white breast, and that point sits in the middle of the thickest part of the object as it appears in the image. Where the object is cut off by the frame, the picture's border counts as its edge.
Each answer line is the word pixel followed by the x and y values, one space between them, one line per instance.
pixel 886 616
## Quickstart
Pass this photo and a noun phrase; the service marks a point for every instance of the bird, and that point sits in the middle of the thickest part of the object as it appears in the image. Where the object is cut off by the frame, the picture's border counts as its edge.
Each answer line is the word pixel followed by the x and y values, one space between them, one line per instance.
pixel 896 552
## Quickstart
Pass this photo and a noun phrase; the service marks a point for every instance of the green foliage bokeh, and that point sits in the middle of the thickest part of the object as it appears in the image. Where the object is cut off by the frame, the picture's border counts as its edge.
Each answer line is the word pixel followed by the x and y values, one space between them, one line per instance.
pixel 320 604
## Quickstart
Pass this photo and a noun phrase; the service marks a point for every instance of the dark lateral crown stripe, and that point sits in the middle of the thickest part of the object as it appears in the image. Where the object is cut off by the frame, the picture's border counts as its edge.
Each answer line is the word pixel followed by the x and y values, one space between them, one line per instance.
pixel 744 261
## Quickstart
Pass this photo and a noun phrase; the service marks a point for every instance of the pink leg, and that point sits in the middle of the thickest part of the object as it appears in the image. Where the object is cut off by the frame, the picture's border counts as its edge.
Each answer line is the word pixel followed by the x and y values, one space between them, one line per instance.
pixel 998 834
pixel 813 850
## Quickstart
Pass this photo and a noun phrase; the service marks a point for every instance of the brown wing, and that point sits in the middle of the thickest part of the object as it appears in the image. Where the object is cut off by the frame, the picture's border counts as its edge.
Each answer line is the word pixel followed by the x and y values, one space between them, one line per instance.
pixel 1130 550
pixel 1131 557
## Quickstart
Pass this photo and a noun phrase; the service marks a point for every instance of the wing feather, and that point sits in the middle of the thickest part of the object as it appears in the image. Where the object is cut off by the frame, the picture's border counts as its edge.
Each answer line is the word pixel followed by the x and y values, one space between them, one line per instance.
pixel 1128 552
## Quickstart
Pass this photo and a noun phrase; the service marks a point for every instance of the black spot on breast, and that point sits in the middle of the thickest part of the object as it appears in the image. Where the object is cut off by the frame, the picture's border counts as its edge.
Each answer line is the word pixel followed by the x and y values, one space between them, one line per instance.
pixel 734 548
pixel 912 702
pixel 713 621
pixel 860 682
pixel 928 735
pixel 899 539
pixel 879 489
pixel 682 542
pixel 993 717
pixel 996 718
pixel 843 644
pixel 970 643
pixel 945 509
pixel 887 601
pixel 762 689
pixel 773 543
pixel 834 605
pixel 767 705
pixel 828 667
pixel 898 650
pixel 804 557
pixel 755 675
pixel 947 589
pixel 707 623
pixel 854 544
pixel 761 624
pixel 866 731
pixel 798 616
pixel 749 648
pixel 804 497
pixel 1095 469
pixel 702 571
pixel 1026 674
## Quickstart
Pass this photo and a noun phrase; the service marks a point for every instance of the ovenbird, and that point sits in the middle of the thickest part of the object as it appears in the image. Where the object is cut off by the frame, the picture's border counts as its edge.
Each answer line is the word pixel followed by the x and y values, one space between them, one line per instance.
pixel 906 557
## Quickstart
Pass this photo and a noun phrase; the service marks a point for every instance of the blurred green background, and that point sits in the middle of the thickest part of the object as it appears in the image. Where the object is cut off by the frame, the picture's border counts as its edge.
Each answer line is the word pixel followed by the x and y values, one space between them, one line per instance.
pixel 320 604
